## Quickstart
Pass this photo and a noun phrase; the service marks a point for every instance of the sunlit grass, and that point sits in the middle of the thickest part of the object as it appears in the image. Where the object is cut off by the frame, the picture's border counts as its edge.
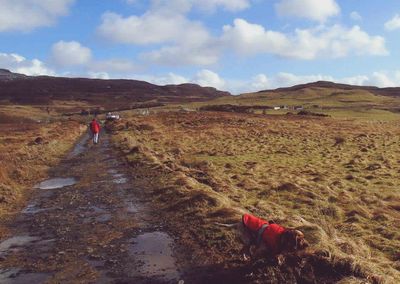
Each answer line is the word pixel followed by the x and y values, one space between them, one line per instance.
pixel 337 179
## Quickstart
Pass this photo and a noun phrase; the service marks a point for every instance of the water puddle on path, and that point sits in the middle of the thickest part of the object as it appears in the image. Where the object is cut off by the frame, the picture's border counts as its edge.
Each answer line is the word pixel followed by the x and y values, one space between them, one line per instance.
pixel 120 180
pixel 56 183
pixel 131 207
pixel 16 276
pixel 94 214
pixel 154 256
pixel 80 147
pixel 13 243
pixel 32 209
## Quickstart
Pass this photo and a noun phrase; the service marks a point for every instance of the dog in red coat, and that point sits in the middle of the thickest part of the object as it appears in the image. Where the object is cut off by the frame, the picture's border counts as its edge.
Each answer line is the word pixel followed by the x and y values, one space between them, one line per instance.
pixel 260 237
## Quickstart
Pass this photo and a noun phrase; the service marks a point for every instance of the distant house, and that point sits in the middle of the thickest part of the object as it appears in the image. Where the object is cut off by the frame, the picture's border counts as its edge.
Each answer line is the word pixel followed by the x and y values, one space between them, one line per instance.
pixel 280 107
pixel 144 111
pixel 298 107
pixel 185 109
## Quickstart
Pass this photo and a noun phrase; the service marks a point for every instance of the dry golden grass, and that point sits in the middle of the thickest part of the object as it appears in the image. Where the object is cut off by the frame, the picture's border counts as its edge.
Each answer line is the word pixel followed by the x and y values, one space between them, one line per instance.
pixel 337 180
pixel 31 143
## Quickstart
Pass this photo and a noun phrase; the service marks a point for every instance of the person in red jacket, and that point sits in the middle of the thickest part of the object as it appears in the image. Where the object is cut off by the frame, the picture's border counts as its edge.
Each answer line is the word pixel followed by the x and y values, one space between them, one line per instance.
pixel 95 129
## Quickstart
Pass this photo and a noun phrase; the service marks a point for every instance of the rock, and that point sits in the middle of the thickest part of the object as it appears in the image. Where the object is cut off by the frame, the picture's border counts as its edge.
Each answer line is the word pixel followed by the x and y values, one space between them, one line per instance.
pixel 39 140
pixel 374 167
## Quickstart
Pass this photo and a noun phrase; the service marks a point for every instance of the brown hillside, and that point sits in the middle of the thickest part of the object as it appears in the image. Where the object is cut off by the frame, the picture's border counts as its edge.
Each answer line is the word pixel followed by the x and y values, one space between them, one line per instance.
pixel 111 93
pixel 326 84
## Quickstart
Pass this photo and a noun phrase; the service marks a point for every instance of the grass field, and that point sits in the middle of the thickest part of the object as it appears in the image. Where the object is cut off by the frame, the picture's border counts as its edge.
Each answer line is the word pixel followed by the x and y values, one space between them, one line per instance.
pixel 336 179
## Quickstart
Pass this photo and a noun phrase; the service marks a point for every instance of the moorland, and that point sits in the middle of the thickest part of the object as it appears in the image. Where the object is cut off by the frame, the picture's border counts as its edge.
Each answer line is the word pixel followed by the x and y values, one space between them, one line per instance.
pixel 329 167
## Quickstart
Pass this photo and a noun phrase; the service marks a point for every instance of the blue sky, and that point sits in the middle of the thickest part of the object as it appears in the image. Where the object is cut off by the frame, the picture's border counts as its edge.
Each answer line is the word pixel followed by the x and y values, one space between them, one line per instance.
pixel 235 45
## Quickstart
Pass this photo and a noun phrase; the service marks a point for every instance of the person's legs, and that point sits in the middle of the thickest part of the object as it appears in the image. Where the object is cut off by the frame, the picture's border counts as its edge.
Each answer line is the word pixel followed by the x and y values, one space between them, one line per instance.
pixel 95 137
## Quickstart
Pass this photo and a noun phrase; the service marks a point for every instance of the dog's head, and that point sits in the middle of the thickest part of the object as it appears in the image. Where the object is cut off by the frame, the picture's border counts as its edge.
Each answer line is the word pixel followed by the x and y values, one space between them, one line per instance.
pixel 293 240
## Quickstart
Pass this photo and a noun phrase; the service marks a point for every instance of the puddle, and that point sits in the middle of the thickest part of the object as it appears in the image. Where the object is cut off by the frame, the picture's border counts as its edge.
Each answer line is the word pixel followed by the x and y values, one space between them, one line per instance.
pixel 15 276
pixel 32 209
pixel 120 180
pixel 95 214
pixel 103 218
pixel 131 207
pixel 56 183
pixel 79 147
pixel 96 263
pixel 153 254
pixel 13 243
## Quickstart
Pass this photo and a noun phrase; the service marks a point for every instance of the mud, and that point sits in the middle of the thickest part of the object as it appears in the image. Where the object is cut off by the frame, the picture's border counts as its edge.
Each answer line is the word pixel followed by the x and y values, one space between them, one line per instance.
pixel 80 146
pixel 16 276
pixel 89 230
pixel 154 255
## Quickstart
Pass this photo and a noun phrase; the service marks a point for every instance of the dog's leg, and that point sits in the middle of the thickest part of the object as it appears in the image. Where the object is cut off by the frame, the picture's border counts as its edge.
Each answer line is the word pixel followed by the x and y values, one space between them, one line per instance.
pixel 247 240
pixel 226 225
pixel 259 251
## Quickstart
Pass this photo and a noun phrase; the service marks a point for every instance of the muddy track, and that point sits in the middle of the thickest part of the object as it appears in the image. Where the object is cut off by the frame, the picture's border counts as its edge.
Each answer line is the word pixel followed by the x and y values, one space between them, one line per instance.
pixel 87 224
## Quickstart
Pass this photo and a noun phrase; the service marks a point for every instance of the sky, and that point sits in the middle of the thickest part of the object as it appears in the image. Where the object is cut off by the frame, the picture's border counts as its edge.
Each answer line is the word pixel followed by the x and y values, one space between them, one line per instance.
pixel 234 45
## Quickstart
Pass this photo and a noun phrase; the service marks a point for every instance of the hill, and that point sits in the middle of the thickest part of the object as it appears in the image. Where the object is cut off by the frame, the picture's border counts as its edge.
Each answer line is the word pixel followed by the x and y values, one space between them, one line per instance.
pixel 323 97
pixel 28 90
pixel 390 92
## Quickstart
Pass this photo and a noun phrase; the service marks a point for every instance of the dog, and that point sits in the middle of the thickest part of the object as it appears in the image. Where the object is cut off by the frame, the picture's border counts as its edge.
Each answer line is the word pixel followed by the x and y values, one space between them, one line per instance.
pixel 266 238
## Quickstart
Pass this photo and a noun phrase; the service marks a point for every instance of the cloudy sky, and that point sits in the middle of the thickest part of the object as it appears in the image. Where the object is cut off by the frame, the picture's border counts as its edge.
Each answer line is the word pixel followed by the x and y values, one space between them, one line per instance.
pixel 235 45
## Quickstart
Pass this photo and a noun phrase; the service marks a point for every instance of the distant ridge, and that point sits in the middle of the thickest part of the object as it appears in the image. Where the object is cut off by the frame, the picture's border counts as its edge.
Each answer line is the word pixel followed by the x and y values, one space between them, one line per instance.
pixel 7 75
pixel 23 89
pixel 392 91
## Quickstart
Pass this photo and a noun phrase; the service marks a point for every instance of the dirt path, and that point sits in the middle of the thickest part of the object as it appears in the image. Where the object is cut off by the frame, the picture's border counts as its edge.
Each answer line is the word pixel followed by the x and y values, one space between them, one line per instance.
pixel 95 228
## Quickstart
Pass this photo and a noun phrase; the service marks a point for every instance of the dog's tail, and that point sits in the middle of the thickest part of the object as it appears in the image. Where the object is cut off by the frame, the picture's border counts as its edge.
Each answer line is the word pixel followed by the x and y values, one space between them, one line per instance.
pixel 226 225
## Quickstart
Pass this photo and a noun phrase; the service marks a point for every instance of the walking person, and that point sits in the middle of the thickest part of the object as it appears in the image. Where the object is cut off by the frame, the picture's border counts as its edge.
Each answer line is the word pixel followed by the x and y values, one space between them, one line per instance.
pixel 95 129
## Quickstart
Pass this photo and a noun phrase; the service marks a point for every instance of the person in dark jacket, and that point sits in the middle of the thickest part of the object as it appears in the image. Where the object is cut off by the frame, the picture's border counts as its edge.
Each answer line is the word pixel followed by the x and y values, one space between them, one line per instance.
pixel 95 129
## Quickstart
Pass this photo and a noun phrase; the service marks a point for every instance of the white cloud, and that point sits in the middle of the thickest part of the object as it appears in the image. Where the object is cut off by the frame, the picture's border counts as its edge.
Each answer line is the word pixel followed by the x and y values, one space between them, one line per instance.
pixel 247 38
pixel 113 66
pixel 332 42
pixel 154 27
pixel 188 42
pixel 183 55
pixel 229 5
pixel 26 15
pixel 393 24
pixel 207 78
pixel 287 79
pixel 72 53
pixel 169 79
pixel 259 82
pixel 181 41
pixel 99 75
pixel 317 10
pixel 355 16
pixel 203 5
pixel 19 64
pixel 381 79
